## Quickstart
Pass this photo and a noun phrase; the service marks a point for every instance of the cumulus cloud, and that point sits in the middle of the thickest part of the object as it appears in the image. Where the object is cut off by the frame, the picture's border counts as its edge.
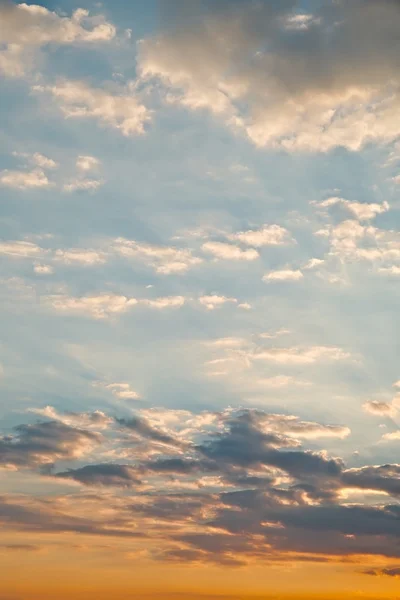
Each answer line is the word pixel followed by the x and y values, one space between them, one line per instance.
pixel 362 211
pixel 283 275
pixel 103 306
pixel 87 163
pixel 122 391
pixel 229 252
pixel 21 249
pixel 215 301
pixel 236 484
pixel 165 260
pixel 83 256
pixel 302 82
pixel 25 28
pixel 380 409
pixel 120 110
pixel 22 180
pixel 44 443
pixel 99 306
pixel 103 475
pixel 268 235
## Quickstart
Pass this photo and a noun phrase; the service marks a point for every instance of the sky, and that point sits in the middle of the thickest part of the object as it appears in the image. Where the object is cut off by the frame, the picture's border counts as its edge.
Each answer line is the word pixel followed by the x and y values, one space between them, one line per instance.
pixel 199 287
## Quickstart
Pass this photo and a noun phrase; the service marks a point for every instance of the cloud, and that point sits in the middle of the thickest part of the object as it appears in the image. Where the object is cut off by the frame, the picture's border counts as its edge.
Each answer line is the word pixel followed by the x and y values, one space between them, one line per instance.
pixel 215 301
pixel 237 485
pixel 43 443
pixel 41 269
pixel 44 162
pixel 85 185
pixel 393 572
pixel 87 163
pixel 103 306
pixel 121 111
pixel 167 302
pixel 141 427
pixel 381 409
pixel 103 475
pixel 283 275
pixel 229 252
pixel 100 306
pixel 298 355
pixel 302 82
pixel 88 420
pixel 268 235
pixel 83 256
pixel 165 260
pixel 21 249
pixel 122 390
pixel 362 211
pixel 25 28
pixel 22 180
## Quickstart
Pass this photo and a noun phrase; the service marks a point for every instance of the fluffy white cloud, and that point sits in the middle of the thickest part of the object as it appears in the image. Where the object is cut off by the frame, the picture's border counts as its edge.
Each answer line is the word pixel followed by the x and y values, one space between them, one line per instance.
pixel 21 249
pixel 24 27
pixel 80 256
pixel 99 306
pixel 122 391
pixel 229 252
pixel 268 235
pixel 215 301
pixel 41 269
pixel 120 110
pixel 87 163
pixel 303 82
pixel 167 302
pixel 362 211
pixel 283 275
pixel 86 185
pixel 164 259
pixel 380 409
pixel 23 180
pixel 298 355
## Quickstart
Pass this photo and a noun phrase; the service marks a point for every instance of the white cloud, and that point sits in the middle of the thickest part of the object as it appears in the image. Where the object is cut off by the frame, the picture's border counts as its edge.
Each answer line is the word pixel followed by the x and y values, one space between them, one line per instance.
pixel 24 28
pixel 41 269
pixel 229 252
pixel 165 260
pixel 120 110
pixel 95 420
pixel 313 263
pixel 380 409
pixel 43 161
pixel 122 391
pixel 268 235
pixel 167 302
pixel 99 306
pixel 87 163
pixel 340 89
pixel 283 275
pixel 87 185
pixel 82 256
pixel 214 301
pixel 362 211
pixel 24 179
pixel 21 249
pixel 298 355
pixel 245 306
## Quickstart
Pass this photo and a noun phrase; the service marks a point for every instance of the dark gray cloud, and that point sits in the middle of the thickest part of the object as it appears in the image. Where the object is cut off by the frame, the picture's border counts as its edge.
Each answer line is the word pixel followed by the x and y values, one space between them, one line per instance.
pixel 142 428
pixel 43 443
pixel 103 474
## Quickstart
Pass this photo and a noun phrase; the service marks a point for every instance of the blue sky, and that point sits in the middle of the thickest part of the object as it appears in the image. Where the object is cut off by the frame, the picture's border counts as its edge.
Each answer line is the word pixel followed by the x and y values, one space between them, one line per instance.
pixel 199 213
